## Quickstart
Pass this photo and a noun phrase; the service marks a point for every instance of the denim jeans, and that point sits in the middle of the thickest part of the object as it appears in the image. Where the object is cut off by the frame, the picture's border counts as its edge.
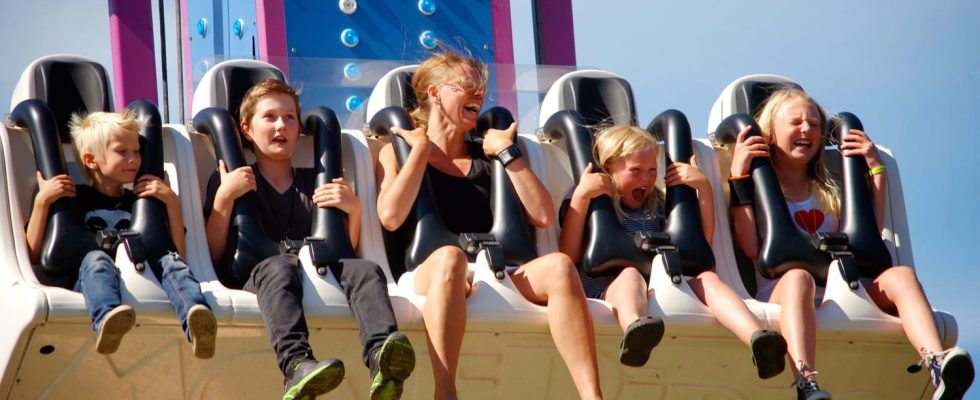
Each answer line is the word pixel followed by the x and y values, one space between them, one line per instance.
pixel 278 286
pixel 98 282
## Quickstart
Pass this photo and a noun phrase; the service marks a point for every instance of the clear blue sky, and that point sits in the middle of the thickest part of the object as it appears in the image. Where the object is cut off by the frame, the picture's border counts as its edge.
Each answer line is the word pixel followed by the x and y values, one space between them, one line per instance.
pixel 908 69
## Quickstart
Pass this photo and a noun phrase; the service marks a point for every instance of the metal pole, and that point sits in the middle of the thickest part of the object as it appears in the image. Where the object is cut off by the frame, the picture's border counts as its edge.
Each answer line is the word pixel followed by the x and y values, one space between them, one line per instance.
pixel 180 64
pixel 165 101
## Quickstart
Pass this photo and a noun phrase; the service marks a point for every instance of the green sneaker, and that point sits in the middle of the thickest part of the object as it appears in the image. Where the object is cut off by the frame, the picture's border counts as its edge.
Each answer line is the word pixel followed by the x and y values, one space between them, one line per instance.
pixel 310 378
pixel 393 363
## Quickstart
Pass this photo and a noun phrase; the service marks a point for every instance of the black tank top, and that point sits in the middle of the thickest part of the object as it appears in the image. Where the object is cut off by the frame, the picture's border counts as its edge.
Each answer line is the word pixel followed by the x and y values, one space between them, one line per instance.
pixel 463 202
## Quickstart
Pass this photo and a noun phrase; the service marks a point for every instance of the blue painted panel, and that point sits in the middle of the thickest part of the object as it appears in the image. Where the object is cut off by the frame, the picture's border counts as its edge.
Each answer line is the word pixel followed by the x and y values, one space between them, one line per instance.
pixel 387 30
pixel 207 41
pixel 241 18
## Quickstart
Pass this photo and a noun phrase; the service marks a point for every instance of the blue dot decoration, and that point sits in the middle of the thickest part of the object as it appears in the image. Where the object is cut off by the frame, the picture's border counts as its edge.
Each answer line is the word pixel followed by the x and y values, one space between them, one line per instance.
pixel 427 7
pixel 238 28
pixel 428 39
pixel 354 103
pixel 349 37
pixel 202 27
pixel 352 71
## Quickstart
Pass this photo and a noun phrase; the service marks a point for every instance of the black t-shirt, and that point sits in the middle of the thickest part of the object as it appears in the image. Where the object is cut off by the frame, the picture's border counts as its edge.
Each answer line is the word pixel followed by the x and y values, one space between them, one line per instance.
pixel 287 215
pixel 104 213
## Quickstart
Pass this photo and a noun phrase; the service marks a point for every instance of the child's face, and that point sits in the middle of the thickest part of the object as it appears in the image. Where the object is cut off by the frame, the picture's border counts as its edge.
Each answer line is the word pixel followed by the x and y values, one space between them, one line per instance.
pixel 796 133
pixel 274 128
pixel 634 176
pixel 120 161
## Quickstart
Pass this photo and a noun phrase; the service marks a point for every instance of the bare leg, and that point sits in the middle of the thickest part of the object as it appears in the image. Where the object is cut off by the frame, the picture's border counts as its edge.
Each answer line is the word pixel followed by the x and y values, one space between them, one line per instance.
pixel 725 305
pixel 442 279
pixel 629 296
pixel 797 320
pixel 552 280
pixel 897 291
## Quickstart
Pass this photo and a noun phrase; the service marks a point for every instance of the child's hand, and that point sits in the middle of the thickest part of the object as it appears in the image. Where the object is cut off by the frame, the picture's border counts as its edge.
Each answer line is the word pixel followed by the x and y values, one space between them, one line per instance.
pixel 151 186
pixel 415 137
pixel 679 173
pixel 594 184
pixel 49 191
pixel 745 150
pixel 236 183
pixel 857 143
pixel 497 140
pixel 337 194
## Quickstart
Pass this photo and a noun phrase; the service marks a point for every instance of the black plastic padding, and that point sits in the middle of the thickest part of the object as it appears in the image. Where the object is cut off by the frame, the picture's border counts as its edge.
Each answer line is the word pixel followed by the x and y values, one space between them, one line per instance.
pixel 403 91
pixel 857 213
pixel 608 248
pixel 66 240
pixel 328 223
pixel 247 242
pixel 231 83
pixel 70 87
pixel 430 232
pixel 150 217
pixel 509 226
pixel 683 209
pixel 601 100
pixel 781 245
pixel 751 95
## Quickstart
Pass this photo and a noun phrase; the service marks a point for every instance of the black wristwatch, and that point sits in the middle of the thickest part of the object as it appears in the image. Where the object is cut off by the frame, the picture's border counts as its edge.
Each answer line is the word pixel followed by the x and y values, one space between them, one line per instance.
pixel 509 154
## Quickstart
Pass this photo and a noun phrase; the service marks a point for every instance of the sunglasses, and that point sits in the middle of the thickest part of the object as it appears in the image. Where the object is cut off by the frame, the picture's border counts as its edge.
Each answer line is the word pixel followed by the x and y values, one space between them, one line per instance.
pixel 468 87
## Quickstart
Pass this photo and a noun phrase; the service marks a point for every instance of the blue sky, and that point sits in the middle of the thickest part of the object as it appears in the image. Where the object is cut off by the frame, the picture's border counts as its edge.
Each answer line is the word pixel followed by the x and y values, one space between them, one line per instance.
pixel 908 69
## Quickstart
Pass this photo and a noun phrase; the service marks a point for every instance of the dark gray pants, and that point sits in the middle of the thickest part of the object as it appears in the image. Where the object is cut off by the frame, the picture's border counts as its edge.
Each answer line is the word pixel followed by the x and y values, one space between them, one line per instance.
pixel 277 283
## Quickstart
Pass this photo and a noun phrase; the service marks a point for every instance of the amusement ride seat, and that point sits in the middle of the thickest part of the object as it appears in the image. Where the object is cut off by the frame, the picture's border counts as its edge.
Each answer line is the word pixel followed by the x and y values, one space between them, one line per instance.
pixel 846 314
pixel 59 337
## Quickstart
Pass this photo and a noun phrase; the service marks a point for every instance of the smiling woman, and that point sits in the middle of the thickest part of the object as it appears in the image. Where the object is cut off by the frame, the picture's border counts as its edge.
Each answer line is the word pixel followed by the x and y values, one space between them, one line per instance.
pixel 450 90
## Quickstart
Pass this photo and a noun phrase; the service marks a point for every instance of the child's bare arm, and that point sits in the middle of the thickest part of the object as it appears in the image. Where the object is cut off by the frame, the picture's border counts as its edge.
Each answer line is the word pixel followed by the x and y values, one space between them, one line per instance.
pixel 591 185
pixel 689 174
pixel 234 184
pixel 48 192
pixel 339 195
pixel 152 186
pixel 857 143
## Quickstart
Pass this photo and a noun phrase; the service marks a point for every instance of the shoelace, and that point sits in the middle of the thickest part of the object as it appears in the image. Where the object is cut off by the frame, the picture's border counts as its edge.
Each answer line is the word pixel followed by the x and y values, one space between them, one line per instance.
pixel 931 360
pixel 807 382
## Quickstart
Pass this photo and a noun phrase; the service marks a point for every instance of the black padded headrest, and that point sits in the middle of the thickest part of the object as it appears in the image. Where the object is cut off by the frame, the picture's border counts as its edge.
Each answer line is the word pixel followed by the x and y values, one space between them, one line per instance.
pixel 601 100
pixel 751 95
pixel 402 89
pixel 71 87
pixel 231 83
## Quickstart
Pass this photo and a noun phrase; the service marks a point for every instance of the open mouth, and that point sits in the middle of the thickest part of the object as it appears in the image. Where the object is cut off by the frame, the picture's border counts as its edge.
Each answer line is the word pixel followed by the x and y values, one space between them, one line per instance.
pixel 472 107
pixel 805 143
pixel 638 194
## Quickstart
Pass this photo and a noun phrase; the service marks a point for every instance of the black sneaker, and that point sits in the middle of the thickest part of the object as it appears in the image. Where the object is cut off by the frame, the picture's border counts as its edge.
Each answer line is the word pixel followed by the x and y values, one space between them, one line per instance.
pixel 952 374
pixel 768 353
pixel 116 323
pixel 640 338
pixel 309 378
pixel 203 329
pixel 807 388
pixel 392 365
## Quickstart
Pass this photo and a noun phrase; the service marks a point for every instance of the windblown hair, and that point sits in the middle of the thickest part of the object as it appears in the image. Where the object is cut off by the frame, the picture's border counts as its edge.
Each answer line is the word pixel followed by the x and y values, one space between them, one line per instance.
pixel 262 90
pixel 612 143
pixel 824 189
pixel 434 71
pixel 92 133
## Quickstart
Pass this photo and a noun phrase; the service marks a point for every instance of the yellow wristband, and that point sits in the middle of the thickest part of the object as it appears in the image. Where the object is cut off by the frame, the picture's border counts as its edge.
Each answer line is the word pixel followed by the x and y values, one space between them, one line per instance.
pixel 877 170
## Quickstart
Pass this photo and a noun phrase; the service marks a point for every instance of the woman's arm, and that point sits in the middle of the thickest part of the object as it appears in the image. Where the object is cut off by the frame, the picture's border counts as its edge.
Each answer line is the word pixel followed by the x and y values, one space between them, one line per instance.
pixel 400 186
pixel 534 196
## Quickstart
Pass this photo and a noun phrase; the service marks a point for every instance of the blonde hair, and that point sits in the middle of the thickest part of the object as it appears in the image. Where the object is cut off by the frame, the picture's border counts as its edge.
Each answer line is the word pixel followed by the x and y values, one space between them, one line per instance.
pixel 822 187
pixel 614 142
pixel 92 133
pixel 435 70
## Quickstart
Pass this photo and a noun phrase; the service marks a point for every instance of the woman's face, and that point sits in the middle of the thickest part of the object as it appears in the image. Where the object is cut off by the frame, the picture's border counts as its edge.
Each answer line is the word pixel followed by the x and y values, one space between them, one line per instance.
pixel 460 96
pixel 796 133
pixel 634 176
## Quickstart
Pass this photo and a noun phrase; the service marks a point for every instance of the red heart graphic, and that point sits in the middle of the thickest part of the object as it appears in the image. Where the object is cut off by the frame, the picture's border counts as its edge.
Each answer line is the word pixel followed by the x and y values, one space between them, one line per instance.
pixel 809 220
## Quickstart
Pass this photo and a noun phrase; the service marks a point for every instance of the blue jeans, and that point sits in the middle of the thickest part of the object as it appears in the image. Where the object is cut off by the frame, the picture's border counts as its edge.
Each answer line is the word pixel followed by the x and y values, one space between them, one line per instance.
pixel 98 282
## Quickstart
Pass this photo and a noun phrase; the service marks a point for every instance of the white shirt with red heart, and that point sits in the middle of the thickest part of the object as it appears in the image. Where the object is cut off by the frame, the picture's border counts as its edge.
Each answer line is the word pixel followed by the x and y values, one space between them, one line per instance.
pixel 810 218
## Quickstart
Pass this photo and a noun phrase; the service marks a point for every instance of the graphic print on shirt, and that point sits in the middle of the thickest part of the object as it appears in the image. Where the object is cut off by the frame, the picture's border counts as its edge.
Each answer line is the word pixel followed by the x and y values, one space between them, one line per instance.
pixel 809 218
pixel 108 220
